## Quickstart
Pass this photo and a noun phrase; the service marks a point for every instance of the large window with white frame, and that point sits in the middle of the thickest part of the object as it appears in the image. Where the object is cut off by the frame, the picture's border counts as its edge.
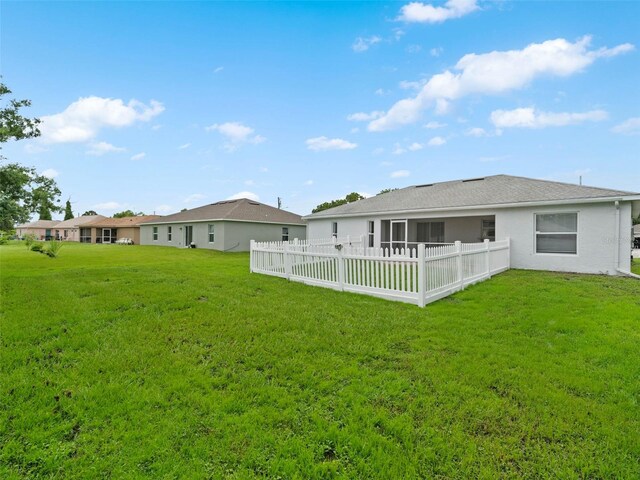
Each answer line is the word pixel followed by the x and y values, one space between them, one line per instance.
pixel 212 233
pixel 370 232
pixel 557 233
pixel 155 234
pixel 169 233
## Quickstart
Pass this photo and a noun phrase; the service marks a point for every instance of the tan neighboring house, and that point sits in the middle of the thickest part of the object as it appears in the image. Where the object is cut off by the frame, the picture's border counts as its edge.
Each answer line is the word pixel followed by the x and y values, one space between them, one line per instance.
pixel 70 229
pixel 110 230
pixel 228 225
pixel 42 229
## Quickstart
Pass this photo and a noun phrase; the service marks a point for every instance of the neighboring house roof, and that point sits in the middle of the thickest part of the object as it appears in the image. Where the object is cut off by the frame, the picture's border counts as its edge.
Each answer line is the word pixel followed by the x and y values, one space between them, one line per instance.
pixel 40 224
pixel 242 209
pixel 496 191
pixel 79 221
pixel 122 222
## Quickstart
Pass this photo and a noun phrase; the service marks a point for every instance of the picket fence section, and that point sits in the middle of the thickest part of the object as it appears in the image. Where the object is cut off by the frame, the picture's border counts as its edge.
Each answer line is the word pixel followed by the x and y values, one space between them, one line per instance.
pixel 418 275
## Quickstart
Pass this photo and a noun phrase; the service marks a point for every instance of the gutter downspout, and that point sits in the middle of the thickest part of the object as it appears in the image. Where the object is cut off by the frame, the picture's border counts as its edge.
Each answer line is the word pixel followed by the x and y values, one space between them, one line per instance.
pixel 617 240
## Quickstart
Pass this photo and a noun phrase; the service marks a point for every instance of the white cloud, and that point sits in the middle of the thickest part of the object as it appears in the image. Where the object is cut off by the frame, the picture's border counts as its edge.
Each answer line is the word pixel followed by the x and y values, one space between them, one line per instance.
pixel 323 143
pixel 530 118
pixel 398 150
pixel 236 134
pixel 156 127
pixel 164 209
pixel 407 85
pixel 494 73
pixel 364 117
pixel 476 132
pixel 434 125
pixel 381 92
pixel 377 151
pixel 362 44
pixel 630 126
pixel 386 163
pixel 102 148
pixel 436 141
pixel 194 197
pixel 83 119
pixel 109 206
pixel 33 148
pixel 308 183
pixel 415 146
pixel 139 156
pixel 264 169
pixel 400 174
pixel 249 195
pixel 184 146
pixel 50 173
pixel 354 130
pixel 436 51
pixel 413 48
pixel 418 12
pixel 218 69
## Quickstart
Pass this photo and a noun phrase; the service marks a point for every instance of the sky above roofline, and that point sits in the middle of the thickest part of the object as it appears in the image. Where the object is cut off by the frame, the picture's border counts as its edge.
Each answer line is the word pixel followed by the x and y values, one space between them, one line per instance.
pixel 157 107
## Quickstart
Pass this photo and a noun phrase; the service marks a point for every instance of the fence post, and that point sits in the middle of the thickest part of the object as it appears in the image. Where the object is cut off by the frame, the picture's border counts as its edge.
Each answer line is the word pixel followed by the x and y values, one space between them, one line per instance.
pixel 287 261
pixel 487 259
pixel 252 245
pixel 340 269
pixel 422 275
pixel 458 244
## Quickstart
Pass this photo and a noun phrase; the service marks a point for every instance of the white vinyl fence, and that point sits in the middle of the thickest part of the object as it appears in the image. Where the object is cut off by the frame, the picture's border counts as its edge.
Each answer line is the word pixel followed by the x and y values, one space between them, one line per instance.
pixel 420 275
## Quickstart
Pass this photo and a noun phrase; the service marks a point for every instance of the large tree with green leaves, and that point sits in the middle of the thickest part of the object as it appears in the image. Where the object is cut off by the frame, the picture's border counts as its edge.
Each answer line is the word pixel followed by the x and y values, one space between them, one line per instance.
pixel 127 213
pixel 351 197
pixel 68 212
pixel 22 190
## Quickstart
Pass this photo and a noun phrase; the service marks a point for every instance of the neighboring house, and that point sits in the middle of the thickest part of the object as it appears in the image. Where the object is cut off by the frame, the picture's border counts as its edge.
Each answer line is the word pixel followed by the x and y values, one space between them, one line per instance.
pixel 70 229
pixel 42 229
pixel 551 225
pixel 228 226
pixel 636 236
pixel 110 230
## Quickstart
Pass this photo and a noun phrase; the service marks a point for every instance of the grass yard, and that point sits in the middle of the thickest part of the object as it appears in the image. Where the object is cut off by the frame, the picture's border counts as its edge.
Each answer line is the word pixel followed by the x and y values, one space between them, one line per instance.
pixel 635 266
pixel 150 362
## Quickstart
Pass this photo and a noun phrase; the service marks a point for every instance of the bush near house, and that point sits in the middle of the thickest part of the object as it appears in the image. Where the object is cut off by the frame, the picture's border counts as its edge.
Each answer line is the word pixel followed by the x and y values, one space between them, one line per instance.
pixel 151 362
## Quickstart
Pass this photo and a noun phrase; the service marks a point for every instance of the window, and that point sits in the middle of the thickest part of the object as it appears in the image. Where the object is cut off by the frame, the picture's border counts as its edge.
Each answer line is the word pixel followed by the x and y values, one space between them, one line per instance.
pixel 370 232
pixel 85 235
pixel 169 233
pixel 430 232
pixel 155 234
pixel 66 233
pixel 212 233
pixel 285 234
pixel 557 233
pixel 334 229
pixel 488 230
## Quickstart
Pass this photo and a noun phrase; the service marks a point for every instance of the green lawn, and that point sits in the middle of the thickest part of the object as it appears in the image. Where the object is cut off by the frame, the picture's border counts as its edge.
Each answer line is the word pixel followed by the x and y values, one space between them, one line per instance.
pixel 635 266
pixel 150 362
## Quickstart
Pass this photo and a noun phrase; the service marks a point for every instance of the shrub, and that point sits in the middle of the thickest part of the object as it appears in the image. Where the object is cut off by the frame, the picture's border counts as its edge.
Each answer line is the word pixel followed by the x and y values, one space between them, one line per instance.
pixel 37 247
pixel 54 248
pixel 4 237
pixel 29 238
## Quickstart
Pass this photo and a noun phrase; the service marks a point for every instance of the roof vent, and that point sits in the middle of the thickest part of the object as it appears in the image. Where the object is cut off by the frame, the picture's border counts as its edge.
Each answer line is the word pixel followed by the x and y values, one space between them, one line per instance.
pixel 472 180
pixel 253 203
pixel 425 185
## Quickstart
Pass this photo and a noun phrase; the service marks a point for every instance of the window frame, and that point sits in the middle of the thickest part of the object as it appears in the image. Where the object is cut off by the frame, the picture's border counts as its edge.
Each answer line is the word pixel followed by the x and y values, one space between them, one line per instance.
pixel 285 234
pixel 211 232
pixel 371 228
pixel 334 229
pixel 169 233
pixel 155 234
pixel 536 233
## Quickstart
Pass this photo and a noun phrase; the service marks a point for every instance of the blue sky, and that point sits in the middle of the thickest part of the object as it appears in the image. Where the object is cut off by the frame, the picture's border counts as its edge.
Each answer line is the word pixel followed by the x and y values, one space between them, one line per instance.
pixel 162 106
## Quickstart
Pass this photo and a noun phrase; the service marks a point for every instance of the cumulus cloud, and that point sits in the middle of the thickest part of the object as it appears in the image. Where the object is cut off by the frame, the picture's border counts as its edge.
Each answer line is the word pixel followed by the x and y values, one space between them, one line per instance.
pixel 476 132
pixel 630 126
pixel 400 174
pixel 530 118
pixel 83 119
pixel 436 141
pixel 323 143
pixel 364 117
pixel 236 134
pixel 194 197
pixel 184 146
pixel 50 173
pixel 139 156
pixel 494 73
pixel 362 44
pixel 249 195
pixel 398 150
pixel 434 125
pixel 101 148
pixel 418 12
pixel 415 146
pixel 436 51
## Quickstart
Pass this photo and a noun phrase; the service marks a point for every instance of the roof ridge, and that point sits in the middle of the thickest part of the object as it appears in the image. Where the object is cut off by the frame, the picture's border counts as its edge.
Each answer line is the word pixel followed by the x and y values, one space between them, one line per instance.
pixel 567 183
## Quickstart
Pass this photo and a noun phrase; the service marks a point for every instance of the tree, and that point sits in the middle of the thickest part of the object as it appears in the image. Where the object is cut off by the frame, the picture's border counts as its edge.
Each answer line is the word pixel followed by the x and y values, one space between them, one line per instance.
pixel 22 191
pixel 127 213
pixel 350 198
pixel 68 213
pixel 636 221
pixel 90 213
pixel 387 190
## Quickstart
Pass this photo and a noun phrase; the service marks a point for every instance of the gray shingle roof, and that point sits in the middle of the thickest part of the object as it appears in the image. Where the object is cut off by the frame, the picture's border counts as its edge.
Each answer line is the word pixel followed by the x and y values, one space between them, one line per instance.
pixel 40 224
pixel 240 210
pixel 493 190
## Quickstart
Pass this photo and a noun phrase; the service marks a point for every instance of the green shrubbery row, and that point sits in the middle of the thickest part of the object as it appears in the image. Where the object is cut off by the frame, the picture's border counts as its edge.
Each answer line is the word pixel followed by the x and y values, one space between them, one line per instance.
pixel 50 248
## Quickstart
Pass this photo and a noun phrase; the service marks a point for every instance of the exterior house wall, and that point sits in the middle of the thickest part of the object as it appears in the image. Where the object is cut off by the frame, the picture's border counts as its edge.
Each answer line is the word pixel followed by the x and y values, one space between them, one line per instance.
pixel 228 235
pixel 596 238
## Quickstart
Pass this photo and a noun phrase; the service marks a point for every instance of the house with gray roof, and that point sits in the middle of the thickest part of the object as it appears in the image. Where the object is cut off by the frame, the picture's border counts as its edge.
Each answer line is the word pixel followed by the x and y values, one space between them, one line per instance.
pixel 74 230
pixel 551 225
pixel 228 225
pixel 42 229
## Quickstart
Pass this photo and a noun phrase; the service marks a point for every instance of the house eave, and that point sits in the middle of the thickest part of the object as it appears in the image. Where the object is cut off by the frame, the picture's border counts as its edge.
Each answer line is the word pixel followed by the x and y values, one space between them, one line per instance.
pixel 220 220
pixel 623 198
